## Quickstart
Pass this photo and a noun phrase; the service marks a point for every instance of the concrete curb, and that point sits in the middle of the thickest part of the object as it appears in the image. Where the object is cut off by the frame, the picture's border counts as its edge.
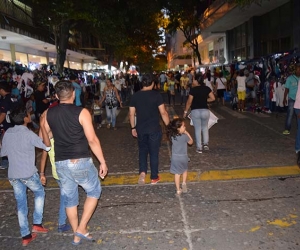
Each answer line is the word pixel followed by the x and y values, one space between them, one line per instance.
pixel 193 176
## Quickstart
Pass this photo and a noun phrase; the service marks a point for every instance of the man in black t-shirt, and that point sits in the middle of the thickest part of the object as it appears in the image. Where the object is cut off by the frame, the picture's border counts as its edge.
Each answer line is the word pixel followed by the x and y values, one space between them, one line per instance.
pixel 5 107
pixel 42 103
pixel 145 109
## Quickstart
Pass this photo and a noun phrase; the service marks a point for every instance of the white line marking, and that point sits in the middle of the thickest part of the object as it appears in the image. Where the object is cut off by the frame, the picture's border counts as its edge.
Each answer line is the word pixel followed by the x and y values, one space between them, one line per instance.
pixel 186 229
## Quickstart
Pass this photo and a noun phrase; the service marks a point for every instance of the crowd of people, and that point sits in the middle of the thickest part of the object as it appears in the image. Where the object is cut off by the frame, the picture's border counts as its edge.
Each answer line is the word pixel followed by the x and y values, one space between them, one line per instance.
pixel 56 105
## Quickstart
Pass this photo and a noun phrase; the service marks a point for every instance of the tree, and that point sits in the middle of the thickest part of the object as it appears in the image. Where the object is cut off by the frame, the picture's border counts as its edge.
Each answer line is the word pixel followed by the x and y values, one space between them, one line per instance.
pixel 129 30
pixel 61 17
pixel 184 16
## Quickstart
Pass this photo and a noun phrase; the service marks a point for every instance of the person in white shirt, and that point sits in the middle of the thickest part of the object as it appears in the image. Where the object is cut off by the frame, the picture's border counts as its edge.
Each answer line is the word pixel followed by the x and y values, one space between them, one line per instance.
pixel 102 84
pixel 221 84
pixel 209 80
pixel 118 85
pixel 162 79
pixel 241 90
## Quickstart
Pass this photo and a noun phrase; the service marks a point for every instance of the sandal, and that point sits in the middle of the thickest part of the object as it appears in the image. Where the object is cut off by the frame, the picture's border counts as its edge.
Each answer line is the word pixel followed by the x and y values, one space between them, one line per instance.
pixel 184 188
pixel 84 236
pixel 178 192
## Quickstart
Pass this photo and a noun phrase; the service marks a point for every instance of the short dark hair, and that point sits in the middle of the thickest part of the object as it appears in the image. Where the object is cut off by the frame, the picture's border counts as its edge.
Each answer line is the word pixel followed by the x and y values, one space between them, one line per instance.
pixel 73 77
pixel 64 89
pixel 5 86
pixel 17 115
pixel 147 80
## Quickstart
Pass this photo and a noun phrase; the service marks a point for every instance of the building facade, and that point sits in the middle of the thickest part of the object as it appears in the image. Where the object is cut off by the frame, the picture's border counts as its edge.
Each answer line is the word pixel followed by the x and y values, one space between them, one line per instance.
pixel 230 33
pixel 24 43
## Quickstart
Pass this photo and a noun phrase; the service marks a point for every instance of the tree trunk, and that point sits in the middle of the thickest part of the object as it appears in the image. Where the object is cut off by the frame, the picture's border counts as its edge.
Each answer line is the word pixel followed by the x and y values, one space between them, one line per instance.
pixel 62 34
pixel 198 55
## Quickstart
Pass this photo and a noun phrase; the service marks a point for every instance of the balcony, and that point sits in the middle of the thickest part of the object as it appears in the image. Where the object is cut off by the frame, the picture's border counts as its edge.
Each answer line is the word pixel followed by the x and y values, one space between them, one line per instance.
pixel 222 15
pixel 17 11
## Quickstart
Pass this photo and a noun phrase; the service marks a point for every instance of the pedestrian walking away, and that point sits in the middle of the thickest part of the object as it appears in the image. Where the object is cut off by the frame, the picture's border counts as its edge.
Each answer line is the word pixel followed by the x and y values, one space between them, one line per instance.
pixel 97 112
pixel 63 226
pixel 197 101
pixel 111 98
pixel 19 146
pixel 179 138
pixel 147 105
pixel 73 135
pixel 291 87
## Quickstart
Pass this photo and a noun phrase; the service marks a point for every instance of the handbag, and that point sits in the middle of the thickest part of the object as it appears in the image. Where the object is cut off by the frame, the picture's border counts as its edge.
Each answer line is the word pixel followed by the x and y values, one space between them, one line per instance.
pixel 211 121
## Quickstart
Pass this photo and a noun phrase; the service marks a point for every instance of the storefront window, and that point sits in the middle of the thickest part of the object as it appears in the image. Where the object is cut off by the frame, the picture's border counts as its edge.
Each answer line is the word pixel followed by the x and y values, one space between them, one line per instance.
pixel 5 55
pixel 21 58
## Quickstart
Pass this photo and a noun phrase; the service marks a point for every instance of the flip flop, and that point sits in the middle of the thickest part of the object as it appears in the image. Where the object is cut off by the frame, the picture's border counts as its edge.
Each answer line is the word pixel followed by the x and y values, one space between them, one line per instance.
pixel 84 236
pixel 76 243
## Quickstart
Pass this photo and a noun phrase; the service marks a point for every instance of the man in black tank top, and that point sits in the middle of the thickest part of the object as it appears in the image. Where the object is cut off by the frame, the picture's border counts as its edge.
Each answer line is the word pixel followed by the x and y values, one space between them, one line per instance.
pixel 73 134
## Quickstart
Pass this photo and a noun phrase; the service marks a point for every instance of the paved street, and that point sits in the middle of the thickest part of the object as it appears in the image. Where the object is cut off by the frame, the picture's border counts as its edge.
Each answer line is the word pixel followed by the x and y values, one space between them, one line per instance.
pixel 248 212
pixel 238 215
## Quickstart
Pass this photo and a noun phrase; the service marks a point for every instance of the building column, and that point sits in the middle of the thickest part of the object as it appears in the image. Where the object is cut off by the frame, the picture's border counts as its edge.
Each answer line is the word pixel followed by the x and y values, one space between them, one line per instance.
pixel 47 57
pixel 68 62
pixel 13 53
pixel 225 50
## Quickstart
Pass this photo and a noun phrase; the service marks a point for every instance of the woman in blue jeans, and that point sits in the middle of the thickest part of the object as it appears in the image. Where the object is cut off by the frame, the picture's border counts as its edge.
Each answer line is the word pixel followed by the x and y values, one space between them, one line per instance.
pixel 111 98
pixel 197 101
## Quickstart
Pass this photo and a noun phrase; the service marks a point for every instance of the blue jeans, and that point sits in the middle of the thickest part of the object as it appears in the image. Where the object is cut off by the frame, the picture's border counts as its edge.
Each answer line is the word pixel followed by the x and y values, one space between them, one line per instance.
pixel 20 187
pixel 124 94
pixel 149 144
pixel 184 95
pixel 297 143
pixel 62 216
pixel 111 115
pixel 289 115
pixel 80 172
pixel 200 119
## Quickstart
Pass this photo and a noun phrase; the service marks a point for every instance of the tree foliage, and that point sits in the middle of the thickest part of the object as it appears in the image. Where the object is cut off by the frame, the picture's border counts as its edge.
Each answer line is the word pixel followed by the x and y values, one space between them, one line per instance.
pixel 184 16
pixel 128 30
pixel 61 17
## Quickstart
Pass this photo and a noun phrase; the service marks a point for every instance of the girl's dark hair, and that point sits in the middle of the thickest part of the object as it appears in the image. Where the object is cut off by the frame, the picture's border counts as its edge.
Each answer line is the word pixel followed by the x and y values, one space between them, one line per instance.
pixel 172 128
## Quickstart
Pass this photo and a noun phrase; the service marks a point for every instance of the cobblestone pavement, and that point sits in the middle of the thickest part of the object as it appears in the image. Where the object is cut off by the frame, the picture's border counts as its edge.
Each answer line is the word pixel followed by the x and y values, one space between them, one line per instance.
pixel 238 215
